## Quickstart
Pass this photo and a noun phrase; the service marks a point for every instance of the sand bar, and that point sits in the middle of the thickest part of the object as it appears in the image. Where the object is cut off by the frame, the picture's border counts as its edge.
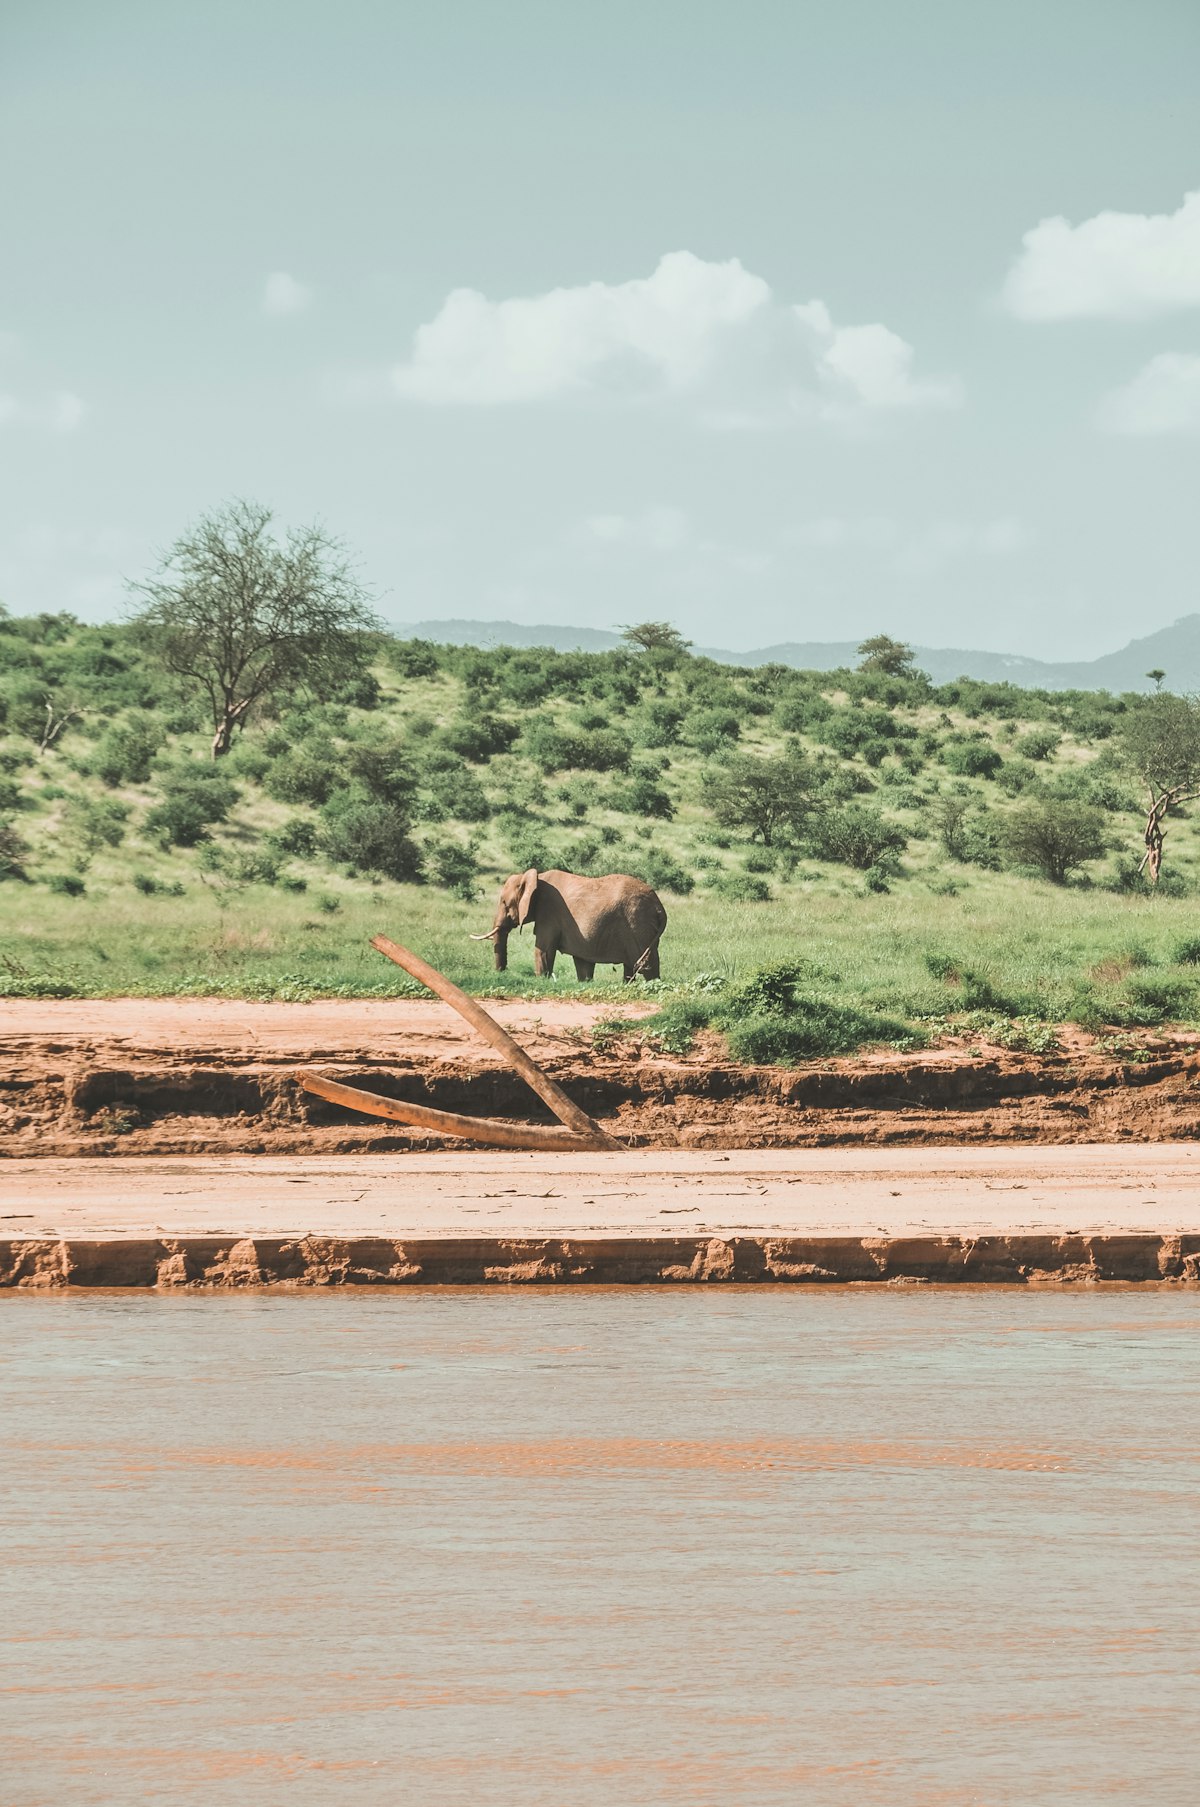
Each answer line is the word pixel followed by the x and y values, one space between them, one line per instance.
pixel 1009 1213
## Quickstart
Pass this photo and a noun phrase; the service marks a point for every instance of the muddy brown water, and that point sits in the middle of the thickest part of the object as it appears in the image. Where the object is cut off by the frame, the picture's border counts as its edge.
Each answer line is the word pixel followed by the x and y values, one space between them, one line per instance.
pixel 581 1550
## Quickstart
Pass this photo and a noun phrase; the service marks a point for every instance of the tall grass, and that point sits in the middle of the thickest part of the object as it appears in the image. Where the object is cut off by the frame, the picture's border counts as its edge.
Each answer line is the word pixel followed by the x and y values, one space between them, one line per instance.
pixel 1006 944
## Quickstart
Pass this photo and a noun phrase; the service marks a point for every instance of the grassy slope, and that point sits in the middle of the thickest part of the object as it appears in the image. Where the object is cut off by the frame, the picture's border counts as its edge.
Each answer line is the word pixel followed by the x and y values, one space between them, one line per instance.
pixel 1030 945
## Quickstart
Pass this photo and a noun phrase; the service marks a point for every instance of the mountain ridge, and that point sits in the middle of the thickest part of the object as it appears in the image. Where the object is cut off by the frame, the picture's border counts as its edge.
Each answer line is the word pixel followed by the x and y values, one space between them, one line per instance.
pixel 1174 650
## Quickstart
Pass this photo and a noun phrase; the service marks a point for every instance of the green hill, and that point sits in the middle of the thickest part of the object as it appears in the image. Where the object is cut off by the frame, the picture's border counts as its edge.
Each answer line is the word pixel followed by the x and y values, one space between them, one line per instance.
pixel 906 875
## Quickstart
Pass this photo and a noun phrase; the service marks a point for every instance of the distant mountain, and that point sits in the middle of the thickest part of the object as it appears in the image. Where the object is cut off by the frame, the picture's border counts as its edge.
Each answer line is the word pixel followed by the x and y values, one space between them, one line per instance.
pixel 1174 649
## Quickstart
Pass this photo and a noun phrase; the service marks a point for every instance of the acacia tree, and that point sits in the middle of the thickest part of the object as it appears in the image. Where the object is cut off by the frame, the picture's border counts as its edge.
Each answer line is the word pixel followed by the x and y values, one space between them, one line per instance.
pixel 882 653
pixel 655 636
pixel 245 617
pixel 1160 741
pixel 764 795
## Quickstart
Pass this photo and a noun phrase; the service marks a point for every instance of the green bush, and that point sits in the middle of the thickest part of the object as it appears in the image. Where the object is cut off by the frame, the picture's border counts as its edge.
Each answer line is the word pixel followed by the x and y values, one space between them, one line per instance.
pixel 297 837
pixel 973 758
pixel 857 835
pixel 194 800
pixel 477 737
pixel 556 749
pixel 709 730
pixel 741 887
pixel 125 752
pixel 809 1030
pixel 453 867
pixel 1039 743
pixel 370 836
pixel 13 852
pixel 642 795
pixel 307 772
pixel 66 884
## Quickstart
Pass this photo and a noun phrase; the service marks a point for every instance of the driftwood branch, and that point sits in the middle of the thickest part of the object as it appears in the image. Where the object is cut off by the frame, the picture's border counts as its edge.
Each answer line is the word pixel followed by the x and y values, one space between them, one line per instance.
pixel 586 1132
pixel 447 1123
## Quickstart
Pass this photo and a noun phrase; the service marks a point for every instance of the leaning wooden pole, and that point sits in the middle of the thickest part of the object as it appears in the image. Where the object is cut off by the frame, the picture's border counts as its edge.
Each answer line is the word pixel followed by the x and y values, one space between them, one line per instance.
pixel 564 1108
pixel 535 1136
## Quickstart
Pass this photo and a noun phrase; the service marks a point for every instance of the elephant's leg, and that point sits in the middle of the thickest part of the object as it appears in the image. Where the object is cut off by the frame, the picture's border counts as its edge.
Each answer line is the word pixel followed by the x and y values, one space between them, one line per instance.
pixel 543 961
pixel 650 964
pixel 585 970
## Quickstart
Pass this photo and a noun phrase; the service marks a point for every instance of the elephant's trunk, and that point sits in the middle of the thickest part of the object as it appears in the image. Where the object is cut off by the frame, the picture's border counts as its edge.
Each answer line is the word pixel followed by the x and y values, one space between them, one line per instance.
pixel 501 945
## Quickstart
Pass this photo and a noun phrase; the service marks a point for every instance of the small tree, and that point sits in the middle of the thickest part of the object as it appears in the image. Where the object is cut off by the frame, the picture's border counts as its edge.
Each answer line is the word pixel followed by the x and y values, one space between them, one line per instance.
pixel 655 636
pixel 245 618
pixel 763 795
pixel 1054 837
pixel 882 653
pixel 1156 677
pixel 1160 742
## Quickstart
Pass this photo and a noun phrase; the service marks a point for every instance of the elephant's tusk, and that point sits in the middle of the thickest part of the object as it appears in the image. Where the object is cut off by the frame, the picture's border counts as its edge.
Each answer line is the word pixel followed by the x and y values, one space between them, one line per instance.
pixel 491 934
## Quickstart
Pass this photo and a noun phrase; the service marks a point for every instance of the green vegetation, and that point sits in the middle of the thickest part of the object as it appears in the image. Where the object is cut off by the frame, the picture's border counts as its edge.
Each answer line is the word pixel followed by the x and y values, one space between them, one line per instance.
pixel 954 855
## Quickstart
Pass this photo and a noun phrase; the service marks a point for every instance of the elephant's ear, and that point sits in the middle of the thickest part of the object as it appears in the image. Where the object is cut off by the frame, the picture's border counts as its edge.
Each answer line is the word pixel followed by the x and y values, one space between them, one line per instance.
pixel 525 904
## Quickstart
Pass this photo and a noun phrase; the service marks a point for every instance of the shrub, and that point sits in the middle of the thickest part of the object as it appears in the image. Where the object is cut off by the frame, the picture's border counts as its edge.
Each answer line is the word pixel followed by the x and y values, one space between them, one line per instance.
pixel 556 749
pixel 1039 743
pixel 809 1030
pixel 741 887
pixel 857 835
pixel 642 795
pixel 709 730
pixel 477 737
pixel 192 802
pixel 296 837
pixel 455 790
pixel 307 772
pixel 13 852
pixel 384 769
pixel 453 867
pixel 1187 952
pixel 124 753
pixel 155 887
pixel 413 658
pixel 66 884
pixel 1053 837
pixel 656 724
pixel 974 758
pixel 370 836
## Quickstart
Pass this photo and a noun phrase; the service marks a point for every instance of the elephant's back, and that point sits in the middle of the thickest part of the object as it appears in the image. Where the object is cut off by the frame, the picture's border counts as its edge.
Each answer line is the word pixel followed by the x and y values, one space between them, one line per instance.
pixel 615 904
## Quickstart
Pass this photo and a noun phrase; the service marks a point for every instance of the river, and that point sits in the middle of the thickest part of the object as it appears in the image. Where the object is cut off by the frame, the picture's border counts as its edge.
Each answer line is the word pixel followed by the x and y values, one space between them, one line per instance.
pixel 589 1548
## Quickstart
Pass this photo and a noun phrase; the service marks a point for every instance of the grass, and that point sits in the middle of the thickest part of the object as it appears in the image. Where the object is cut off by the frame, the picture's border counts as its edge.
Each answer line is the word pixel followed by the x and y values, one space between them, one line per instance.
pixel 1009 946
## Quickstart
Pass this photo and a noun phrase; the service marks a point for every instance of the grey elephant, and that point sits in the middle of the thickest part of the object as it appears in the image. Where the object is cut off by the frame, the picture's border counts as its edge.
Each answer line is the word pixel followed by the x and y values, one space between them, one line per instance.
pixel 610 921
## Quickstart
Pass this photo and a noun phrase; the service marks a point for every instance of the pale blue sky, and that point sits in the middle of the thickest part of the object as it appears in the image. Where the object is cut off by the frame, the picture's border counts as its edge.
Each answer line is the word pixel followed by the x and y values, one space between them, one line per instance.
pixel 224 228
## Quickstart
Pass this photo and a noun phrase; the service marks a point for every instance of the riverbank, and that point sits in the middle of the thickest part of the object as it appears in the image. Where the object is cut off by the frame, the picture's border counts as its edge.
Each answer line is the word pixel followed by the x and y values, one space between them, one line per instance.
pixel 202 1077
pixel 1070 1215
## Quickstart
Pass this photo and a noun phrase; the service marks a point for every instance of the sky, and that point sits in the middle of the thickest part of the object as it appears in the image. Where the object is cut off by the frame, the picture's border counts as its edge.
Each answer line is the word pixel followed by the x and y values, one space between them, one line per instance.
pixel 779 320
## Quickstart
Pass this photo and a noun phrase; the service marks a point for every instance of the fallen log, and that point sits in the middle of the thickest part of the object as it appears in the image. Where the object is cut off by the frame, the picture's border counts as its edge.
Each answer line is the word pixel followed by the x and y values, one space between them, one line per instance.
pixel 551 1140
pixel 587 1133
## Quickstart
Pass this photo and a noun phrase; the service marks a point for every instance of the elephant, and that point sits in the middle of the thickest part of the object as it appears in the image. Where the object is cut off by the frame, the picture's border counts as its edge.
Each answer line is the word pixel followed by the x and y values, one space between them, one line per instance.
pixel 613 921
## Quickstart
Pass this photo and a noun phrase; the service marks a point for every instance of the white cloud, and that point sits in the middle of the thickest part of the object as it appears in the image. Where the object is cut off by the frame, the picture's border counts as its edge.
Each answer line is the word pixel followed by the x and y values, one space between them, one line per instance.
pixel 914 550
pixel 282 294
pixel 1115 266
pixel 1164 397
pixel 713 332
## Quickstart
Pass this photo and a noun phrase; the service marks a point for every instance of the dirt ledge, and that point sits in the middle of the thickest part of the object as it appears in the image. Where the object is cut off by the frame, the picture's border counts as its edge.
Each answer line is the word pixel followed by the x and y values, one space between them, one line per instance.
pixel 206 1262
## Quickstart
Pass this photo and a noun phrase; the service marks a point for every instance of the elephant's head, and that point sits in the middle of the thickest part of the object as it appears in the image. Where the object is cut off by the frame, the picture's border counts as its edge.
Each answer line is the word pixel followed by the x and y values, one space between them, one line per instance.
pixel 514 908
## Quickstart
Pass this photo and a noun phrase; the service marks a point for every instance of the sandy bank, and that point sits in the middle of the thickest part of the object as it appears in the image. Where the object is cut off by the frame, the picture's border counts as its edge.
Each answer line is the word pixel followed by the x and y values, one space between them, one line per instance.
pixel 1017 1215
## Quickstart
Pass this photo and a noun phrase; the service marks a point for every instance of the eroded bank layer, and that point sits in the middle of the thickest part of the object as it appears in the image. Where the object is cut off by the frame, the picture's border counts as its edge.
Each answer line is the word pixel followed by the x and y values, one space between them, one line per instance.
pixel 320 1261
